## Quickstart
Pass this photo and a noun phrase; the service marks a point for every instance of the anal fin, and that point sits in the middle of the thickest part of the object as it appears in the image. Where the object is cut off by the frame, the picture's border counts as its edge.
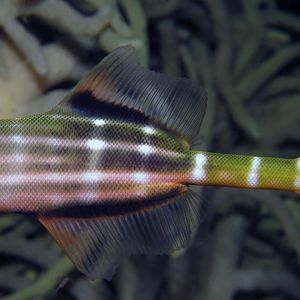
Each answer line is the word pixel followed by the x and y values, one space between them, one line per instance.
pixel 97 244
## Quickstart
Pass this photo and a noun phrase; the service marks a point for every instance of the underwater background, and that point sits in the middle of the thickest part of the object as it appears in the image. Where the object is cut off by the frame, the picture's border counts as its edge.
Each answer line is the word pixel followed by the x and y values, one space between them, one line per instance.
pixel 247 55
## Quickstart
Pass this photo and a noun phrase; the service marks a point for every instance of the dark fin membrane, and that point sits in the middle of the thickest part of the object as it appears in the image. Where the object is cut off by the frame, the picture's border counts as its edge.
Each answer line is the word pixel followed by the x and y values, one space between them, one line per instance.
pixel 175 103
pixel 197 142
pixel 96 245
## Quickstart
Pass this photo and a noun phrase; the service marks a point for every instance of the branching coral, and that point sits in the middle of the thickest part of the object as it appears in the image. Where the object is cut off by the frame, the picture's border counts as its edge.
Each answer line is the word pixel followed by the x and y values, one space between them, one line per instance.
pixel 233 276
pixel 47 283
pixel 51 62
pixel 28 44
pixel 54 13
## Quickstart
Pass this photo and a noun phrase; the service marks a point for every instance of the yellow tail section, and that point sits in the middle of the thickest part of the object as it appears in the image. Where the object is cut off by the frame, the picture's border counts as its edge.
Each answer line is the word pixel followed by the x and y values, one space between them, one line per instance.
pixel 245 171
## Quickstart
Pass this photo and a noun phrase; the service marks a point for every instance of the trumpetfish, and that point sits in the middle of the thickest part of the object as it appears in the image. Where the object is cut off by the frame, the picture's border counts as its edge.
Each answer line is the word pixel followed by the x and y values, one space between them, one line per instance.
pixel 108 171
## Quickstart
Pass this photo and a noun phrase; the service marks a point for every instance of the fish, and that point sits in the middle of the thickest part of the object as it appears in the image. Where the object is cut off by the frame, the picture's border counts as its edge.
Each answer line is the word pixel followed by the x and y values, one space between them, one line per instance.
pixel 109 170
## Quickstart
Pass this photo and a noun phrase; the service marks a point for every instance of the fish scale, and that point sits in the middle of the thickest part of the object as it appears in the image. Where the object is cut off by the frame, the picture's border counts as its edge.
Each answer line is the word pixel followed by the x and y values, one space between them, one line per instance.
pixel 108 171
pixel 87 166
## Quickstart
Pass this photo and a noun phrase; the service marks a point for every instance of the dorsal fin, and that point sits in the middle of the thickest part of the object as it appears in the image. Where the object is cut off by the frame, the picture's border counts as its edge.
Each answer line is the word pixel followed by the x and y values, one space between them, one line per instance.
pixel 175 103
pixel 97 244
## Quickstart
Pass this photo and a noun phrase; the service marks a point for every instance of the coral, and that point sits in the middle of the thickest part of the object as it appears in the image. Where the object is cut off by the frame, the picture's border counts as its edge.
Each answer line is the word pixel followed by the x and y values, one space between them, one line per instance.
pixel 47 283
pixel 15 74
pixel 26 42
pixel 49 63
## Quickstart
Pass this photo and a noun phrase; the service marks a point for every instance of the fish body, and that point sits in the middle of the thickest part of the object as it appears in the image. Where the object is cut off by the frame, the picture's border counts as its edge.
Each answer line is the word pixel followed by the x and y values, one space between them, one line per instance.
pixel 57 160
pixel 108 171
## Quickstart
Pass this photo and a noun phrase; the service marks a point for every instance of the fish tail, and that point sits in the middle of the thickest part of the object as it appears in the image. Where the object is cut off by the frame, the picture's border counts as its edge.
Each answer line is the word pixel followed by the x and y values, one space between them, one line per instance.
pixel 245 171
pixel 70 174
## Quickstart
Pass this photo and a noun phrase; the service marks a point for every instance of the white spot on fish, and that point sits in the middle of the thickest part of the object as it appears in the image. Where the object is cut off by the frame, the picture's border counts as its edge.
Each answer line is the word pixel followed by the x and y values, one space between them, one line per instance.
pixel 92 176
pixel 297 184
pixel 18 158
pixel 298 165
pixel 55 116
pixel 199 172
pixel 148 130
pixel 13 179
pixel 54 177
pixel 297 181
pixel 140 177
pixel 254 170
pixel 90 196
pixel 99 122
pixel 95 144
pixel 145 149
pixel 53 141
pixel 17 139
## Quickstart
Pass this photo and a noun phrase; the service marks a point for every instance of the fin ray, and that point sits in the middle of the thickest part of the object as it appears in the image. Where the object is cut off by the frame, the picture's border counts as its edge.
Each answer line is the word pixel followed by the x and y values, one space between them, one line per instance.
pixel 96 245
pixel 175 103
